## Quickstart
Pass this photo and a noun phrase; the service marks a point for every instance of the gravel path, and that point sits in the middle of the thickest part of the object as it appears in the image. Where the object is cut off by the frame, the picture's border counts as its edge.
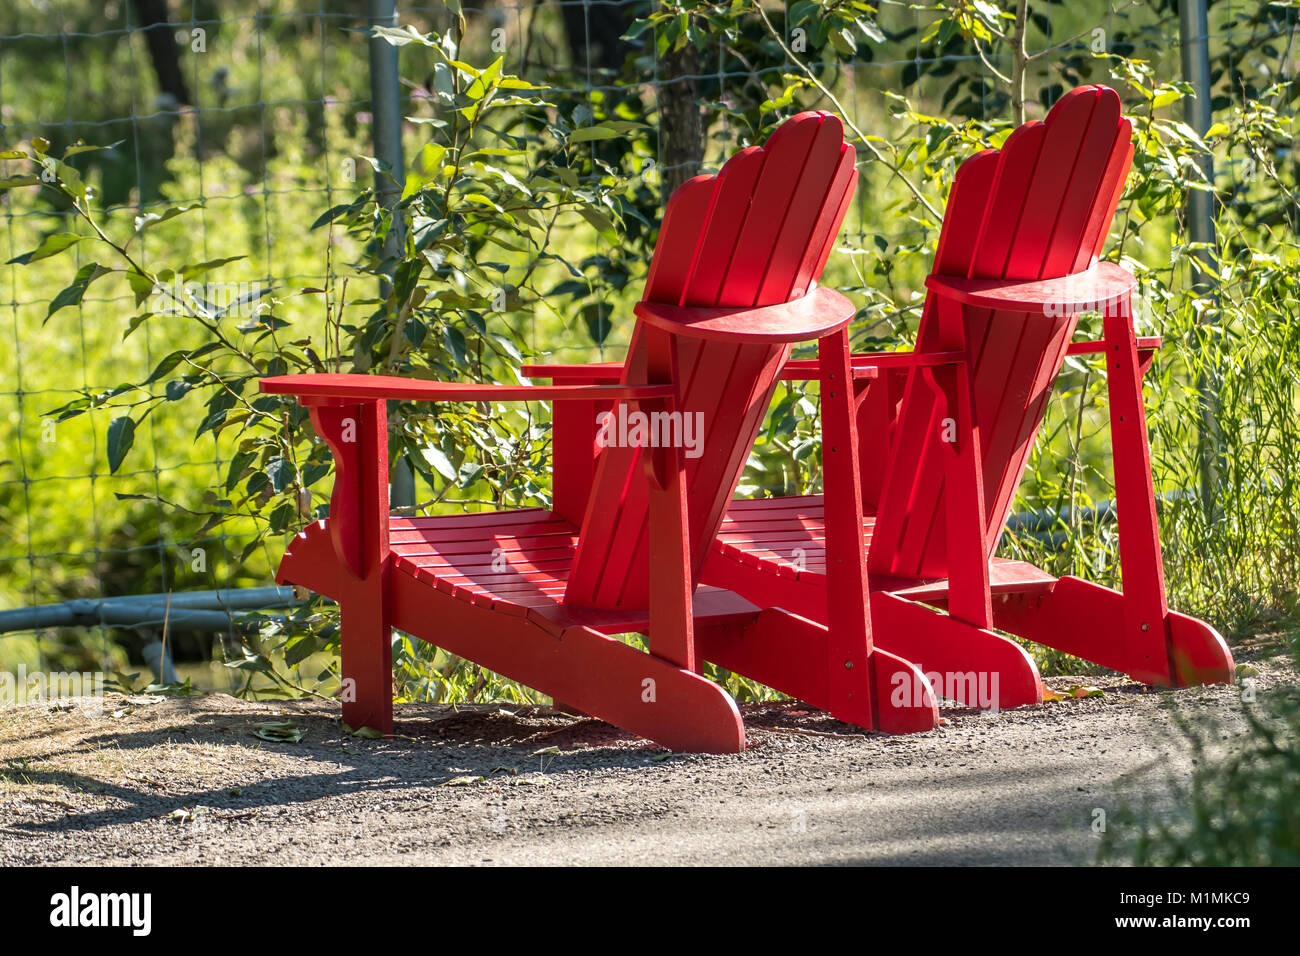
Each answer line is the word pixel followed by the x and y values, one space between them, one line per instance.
pixel 165 781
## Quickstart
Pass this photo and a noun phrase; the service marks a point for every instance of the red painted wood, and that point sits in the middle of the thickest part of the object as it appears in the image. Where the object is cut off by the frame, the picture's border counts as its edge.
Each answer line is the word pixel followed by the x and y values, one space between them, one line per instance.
pixel 358 539
pixel 1094 236
pixel 788 652
pixel 1146 345
pixel 726 383
pixel 573 455
pixel 1037 203
pixel 819 313
pixel 686 214
pixel 1146 624
pixel 1083 619
pixel 350 388
pixel 1016 260
pixel 599 675
pixel 812 213
pixel 964 517
pixel 967 201
pixel 597 373
pixel 1100 288
pixel 828 226
pixel 671 577
pixel 950 646
pixel 934 642
pixel 1055 172
pixel 531 594
pixel 849 652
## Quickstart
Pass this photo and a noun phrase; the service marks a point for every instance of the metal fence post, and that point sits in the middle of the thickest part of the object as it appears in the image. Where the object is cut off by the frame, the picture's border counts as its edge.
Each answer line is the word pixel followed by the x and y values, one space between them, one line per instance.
pixel 386 117
pixel 1195 47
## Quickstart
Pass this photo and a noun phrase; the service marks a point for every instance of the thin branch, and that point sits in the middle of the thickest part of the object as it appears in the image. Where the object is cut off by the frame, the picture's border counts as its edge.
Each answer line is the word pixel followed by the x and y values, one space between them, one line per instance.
pixel 844 115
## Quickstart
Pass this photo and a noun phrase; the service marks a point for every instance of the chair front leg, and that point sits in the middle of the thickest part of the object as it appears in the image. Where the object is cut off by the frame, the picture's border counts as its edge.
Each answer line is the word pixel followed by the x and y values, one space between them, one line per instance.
pixel 964 514
pixel 849 649
pixel 357 433
pixel 672 617
pixel 1146 611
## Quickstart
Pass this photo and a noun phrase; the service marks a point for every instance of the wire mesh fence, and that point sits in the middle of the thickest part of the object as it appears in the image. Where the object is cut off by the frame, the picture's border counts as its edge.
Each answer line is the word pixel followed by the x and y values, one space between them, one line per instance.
pixel 262 112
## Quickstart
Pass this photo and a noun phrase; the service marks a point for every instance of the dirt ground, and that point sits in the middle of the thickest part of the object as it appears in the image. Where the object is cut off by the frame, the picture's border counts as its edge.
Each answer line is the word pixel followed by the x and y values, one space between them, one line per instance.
pixel 155 781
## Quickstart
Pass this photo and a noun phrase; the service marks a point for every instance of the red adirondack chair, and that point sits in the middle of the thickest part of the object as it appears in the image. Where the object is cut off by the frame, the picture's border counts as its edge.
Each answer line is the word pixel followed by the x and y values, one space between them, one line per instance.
pixel 946 431
pixel 730 288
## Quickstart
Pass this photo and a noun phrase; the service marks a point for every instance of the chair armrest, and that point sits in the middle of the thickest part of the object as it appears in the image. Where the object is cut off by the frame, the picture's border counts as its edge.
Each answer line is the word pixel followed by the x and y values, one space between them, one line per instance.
pixel 812 316
pixel 596 373
pixel 798 370
pixel 1105 287
pixel 344 388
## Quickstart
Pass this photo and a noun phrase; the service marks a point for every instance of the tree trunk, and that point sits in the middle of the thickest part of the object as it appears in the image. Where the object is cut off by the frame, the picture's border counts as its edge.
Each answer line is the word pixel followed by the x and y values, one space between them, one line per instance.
pixel 160 38
pixel 681 124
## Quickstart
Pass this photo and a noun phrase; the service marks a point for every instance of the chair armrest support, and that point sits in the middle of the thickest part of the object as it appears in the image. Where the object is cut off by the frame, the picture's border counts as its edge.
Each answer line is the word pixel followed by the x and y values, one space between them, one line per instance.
pixel 1145 343
pixel 1147 346
pixel 867 365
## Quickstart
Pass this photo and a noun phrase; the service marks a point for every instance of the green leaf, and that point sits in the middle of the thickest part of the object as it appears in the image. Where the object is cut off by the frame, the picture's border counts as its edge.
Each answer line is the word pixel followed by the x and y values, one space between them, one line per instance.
pixel 80 147
pixel 299 649
pixel 121 435
pixel 281 472
pixel 238 465
pixel 152 219
pixel 73 293
pixel 870 30
pixel 399 36
pixel 140 284
pixel 168 362
pixel 334 212
pixel 425 169
pixel 177 389
pixel 197 269
pixel 589 133
pixel 365 733
pixel 439 462
pixel 279 731
pixel 53 245
pixel 600 221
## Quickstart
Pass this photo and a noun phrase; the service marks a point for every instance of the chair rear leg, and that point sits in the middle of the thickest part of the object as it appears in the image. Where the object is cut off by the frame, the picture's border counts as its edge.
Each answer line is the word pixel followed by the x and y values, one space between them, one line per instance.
pixel 1165 648
pixel 977 667
pixel 1083 619
pixel 789 653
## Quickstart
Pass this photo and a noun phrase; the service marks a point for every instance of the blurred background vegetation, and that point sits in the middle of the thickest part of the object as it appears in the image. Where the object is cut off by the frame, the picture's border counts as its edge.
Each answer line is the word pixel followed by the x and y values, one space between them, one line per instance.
pixel 233 146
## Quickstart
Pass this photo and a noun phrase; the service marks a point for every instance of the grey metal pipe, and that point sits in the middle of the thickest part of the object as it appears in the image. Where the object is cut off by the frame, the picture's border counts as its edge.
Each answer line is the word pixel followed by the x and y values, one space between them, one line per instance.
pixel 1195 47
pixel 386 102
pixel 1048 521
pixel 199 610
pixel 233 598
pixel 1194 36
pixel 386 130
